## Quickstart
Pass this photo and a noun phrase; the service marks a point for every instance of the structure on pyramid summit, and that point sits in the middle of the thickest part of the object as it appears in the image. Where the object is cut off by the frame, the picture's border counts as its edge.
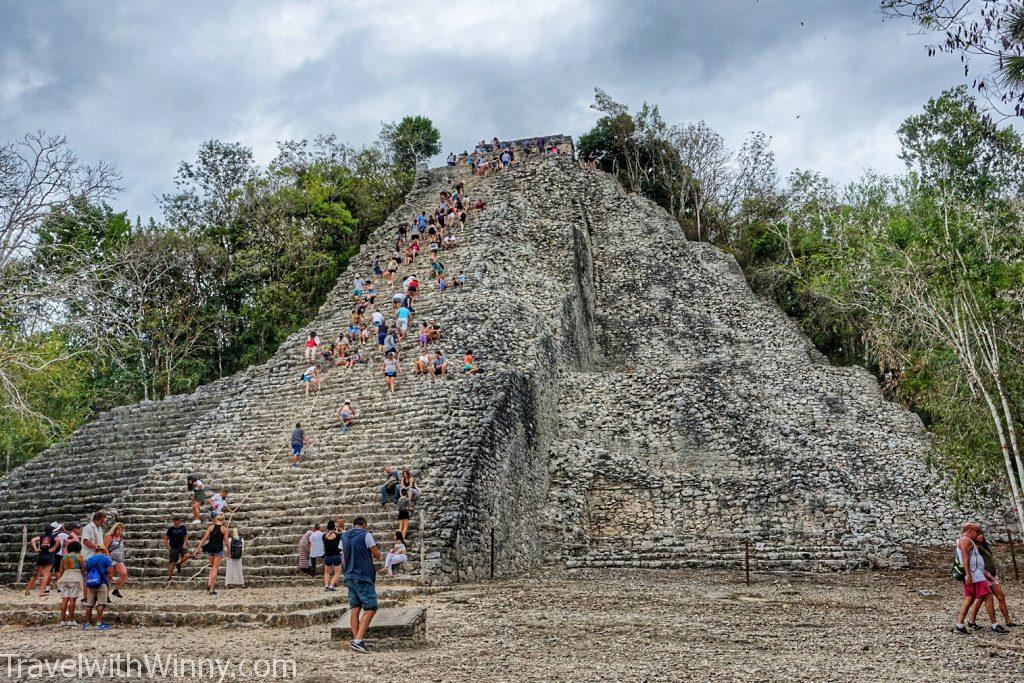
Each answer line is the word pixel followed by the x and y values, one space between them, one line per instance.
pixel 638 405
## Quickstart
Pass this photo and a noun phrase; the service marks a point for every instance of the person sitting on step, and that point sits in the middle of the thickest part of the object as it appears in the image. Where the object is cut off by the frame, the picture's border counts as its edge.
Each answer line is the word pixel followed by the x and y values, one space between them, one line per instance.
pixel 397 554
pixel 440 364
pixel 408 485
pixel 389 490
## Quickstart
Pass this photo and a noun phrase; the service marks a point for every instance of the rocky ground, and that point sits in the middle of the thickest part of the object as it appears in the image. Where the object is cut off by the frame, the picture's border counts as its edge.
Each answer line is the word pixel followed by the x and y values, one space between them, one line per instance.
pixel 617 625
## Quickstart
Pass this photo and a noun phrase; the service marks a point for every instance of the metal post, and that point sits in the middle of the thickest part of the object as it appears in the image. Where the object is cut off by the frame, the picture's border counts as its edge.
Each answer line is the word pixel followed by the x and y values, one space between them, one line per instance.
pixel 746 558
pixel 24 549
pixel 423 557
pixel 1013 555
pixel 455 556
pixel 492 552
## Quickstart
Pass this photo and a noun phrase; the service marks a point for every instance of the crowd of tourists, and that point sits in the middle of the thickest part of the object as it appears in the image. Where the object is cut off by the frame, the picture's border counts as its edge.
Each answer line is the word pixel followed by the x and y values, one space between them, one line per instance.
pixel 379 323
pixel 500 156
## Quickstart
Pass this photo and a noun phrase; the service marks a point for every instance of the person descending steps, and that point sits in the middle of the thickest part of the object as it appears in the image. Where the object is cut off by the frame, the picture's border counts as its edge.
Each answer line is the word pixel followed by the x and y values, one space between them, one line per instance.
pixel 368 330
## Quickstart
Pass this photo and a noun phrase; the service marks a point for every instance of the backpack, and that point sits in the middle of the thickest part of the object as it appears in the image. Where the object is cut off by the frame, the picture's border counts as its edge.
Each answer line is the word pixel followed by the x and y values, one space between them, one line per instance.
pixel 94 578
pixel 957 573
pixel 236 548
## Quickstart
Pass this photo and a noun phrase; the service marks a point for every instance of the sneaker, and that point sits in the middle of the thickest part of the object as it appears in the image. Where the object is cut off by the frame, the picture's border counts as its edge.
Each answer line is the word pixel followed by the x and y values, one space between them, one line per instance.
pixel 327 588
pixel 85 627
pixel 63 623
pixel 367 646
pixel 103 627
pixel 72 624
pixel 998 628
pixel 213 592
pixel 117 593
pixel 1012 625
pixel 973 625
pixel 961 630
pixel 359 647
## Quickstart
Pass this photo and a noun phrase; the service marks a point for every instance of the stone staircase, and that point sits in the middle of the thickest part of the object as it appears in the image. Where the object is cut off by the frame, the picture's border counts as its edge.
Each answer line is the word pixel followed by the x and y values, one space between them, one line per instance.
pixel 133 460
pixel 295 608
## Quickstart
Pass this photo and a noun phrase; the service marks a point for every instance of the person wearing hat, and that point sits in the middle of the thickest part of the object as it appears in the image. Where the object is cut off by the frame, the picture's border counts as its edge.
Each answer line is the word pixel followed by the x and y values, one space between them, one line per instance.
pixel 60 540
pixel 347 414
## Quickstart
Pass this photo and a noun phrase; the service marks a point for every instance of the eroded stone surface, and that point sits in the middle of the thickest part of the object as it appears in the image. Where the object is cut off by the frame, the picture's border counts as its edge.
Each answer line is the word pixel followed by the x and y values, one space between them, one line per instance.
pixel 639 406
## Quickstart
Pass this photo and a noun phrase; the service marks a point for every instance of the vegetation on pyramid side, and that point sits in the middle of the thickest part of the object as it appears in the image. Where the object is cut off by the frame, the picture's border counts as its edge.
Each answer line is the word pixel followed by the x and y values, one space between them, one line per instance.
pixel 918 277
pixel 99 310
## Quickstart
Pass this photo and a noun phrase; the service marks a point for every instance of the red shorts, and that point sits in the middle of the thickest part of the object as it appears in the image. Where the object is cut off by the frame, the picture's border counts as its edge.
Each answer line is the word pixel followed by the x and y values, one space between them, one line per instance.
pixel 976 590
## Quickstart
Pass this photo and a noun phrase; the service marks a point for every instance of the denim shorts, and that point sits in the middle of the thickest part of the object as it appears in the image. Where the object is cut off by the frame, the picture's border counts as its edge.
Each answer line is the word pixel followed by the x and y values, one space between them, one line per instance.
pixel 361 594
pixel 332 560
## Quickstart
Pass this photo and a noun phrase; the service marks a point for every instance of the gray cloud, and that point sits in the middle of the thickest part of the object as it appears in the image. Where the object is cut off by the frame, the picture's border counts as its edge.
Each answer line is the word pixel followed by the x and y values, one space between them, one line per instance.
pixel 141 84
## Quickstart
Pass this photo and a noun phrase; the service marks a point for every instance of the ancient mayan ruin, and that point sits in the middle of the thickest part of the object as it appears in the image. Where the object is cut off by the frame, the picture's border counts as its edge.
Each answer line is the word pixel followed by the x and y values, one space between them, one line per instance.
pixel 639 406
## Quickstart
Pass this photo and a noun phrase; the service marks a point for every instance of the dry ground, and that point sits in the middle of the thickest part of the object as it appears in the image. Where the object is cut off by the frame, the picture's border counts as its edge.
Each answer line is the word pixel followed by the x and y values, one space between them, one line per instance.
pixel 616 625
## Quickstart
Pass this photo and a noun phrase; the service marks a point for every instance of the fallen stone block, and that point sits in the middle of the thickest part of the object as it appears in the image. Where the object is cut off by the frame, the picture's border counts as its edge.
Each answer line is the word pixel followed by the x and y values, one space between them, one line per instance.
pixel 392 627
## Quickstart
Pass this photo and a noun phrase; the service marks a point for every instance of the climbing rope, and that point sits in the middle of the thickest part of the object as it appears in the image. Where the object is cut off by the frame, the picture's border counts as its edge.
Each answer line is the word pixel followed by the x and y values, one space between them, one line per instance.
pixel 270 459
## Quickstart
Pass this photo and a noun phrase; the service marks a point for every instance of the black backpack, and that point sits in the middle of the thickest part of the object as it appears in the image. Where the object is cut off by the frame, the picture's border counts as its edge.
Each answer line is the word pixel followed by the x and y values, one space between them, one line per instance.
pixel 236 548
pixel 957 573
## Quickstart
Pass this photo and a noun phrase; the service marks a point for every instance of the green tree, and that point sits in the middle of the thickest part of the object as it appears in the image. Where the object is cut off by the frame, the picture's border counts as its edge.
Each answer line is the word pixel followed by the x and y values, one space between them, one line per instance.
pixel 958 151
pixel 411 140
pixel 992 30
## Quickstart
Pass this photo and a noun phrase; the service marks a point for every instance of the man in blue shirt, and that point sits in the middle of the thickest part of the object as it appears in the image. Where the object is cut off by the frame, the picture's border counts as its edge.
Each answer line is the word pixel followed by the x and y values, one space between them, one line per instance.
pixel 360 550
pixel 98 572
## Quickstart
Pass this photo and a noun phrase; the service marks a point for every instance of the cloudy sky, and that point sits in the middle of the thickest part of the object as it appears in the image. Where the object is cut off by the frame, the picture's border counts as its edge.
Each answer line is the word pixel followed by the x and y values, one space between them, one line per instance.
pixel 142 84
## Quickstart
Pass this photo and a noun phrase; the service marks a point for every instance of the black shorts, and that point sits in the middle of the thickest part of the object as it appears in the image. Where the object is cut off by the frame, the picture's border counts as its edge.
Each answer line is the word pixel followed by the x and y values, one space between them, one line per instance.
pixel 44 560
pixel 403 514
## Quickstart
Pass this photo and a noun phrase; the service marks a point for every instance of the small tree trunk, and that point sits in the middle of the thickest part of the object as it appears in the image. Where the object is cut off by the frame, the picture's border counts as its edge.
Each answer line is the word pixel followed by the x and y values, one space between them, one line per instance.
pixel 1014 490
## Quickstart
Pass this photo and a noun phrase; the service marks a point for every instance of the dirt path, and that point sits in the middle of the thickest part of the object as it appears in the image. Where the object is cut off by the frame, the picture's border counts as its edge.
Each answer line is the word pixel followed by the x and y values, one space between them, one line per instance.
pixel 623 625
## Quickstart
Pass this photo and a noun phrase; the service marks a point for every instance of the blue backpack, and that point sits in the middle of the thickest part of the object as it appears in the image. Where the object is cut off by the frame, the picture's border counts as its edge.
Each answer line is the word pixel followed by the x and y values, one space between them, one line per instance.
pixel 94 575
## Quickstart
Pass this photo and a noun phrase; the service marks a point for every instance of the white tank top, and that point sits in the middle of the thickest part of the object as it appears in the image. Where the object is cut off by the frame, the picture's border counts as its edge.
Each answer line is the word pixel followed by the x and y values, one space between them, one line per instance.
pixel 977 564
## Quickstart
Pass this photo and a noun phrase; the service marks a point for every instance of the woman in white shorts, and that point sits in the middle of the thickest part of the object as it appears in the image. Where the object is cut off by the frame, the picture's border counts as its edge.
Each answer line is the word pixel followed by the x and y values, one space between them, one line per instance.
pixel 70 582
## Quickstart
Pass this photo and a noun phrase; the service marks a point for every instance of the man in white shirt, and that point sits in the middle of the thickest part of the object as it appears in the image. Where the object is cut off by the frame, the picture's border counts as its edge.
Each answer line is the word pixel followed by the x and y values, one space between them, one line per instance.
pixel 316 546
pixel 92 534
